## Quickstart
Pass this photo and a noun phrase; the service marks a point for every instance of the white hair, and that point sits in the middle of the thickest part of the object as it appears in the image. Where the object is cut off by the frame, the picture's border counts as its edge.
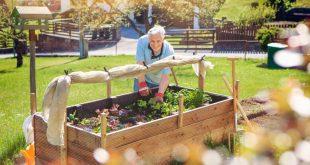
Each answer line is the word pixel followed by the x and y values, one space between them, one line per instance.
pixel 156 30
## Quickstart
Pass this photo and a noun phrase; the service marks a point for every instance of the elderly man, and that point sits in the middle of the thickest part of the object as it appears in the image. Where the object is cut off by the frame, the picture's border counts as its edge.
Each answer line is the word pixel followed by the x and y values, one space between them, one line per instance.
pixel 152 47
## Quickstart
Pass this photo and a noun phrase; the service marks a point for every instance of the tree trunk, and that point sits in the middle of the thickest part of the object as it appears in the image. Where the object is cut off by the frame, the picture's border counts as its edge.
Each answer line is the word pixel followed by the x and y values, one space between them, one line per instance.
pixel 19 59
pixel 133 25
pixel 19 51
pixel 139 31
pixel 146 20
pixel 83 50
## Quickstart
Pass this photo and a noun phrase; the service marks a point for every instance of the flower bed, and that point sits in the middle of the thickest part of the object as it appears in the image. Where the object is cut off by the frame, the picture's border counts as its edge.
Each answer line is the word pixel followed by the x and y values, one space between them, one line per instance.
pixel 207 115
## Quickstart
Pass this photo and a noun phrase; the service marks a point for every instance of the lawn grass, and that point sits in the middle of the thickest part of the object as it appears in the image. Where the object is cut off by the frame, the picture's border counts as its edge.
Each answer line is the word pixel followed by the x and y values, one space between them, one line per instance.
pixel 14 86
pixel 232 9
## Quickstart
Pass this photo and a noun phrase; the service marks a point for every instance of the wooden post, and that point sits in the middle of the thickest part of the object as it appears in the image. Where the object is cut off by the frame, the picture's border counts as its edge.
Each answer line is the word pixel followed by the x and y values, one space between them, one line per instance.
pixel 229 142
pixel 181 109
pixel 213 38
pixel 238 103
pixel 174 76
pixel 237 89
pixel 233 75
pixel 33 101
pixel 116 48
pixel 103 130
pixel 63 148
pixel 237 98
pixel 109 89
pixel 245 49
pixel 187 37
pixel 201 80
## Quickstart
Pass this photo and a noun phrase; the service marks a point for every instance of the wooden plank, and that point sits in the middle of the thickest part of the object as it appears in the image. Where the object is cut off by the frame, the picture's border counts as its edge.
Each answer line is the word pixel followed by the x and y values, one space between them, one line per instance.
pixel 64 147
pixel 44 150
pixel 181 109
pixel 78 152
pixel 80 140
pixel 103 130
pixel 109 89
pixel 155 127
pixel 201 80
pixel 125 136
pixel 200 130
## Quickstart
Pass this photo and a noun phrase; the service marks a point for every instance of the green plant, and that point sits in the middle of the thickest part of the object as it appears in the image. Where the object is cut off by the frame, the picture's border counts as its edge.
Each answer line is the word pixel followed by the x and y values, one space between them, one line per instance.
pixel 266 35
pixel 72 117
pixel 194 98
pixel 256 15
pixel 280 7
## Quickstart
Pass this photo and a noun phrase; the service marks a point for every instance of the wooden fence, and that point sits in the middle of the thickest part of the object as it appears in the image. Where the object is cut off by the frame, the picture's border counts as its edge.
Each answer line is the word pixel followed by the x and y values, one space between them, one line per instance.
pixel 281 24
pixel 191 38
pixel 71 30
pixel 235 33
pixel 6 43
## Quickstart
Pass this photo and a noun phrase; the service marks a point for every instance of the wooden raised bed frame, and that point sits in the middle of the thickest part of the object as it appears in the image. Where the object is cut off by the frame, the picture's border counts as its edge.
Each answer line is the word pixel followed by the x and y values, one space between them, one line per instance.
pixel 152 141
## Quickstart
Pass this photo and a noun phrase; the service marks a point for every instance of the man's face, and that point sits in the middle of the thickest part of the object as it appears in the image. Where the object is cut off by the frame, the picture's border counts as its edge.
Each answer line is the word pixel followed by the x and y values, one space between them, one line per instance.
pixel 156 42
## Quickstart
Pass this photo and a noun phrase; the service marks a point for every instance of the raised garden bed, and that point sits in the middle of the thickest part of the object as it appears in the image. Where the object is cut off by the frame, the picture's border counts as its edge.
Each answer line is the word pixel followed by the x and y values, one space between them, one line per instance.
pixel 214 119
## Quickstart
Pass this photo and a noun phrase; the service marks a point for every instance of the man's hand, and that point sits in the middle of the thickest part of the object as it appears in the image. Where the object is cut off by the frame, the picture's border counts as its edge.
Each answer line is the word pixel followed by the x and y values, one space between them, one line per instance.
pixel 159 97
pixel 143 89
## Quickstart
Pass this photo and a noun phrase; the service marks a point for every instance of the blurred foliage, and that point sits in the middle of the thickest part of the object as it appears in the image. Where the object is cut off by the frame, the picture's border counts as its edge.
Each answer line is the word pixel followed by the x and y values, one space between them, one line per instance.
pixel 164 12
pixel 280 6
pixel 301 3
pixel 256 15
pixel 212 8
pixel 92 15
pixel 265 36
pixel 7 29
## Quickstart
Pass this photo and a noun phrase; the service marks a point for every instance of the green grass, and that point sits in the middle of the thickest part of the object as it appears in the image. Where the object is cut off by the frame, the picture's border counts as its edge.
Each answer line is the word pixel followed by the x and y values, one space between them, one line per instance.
pixel 302 3
pixel 14 86
pixel 232 9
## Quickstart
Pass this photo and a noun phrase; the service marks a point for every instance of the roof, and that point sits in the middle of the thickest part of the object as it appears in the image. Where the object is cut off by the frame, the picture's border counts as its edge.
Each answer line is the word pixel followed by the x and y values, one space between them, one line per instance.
pixel 298 14
pixel 32 12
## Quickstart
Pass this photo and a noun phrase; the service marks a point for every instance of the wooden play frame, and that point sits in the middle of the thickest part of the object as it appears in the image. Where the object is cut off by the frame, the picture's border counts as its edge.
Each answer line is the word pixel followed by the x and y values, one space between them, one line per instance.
pixel 153 141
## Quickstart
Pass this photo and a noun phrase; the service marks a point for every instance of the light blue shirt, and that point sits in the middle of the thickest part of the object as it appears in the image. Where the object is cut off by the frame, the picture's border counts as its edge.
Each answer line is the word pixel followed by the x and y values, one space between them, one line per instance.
pixel 144 54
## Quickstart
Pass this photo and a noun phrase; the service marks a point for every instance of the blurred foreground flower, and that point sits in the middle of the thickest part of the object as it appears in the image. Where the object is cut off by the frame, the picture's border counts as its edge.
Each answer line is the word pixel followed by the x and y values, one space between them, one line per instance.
pixel 298 51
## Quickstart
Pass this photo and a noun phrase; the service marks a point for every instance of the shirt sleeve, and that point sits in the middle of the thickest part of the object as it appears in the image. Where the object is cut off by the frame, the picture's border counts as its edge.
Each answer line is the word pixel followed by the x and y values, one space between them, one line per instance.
pixel 170 50
pixel 165 71
pixel 140 51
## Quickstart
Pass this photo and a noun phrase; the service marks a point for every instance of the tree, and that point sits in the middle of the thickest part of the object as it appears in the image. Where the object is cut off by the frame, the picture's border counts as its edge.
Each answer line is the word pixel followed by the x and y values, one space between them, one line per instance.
pixel 257 14
pixel 91 16
pixel 180 10
pixel 7 29
pixel 281 6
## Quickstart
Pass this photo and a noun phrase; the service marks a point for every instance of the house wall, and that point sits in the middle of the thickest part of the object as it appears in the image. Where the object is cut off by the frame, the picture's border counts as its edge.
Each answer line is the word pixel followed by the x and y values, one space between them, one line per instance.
pixel 65 5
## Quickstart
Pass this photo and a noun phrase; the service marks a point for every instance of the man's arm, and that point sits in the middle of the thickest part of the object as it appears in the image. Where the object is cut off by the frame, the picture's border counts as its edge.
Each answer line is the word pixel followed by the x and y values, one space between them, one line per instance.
pixel 141 78
pixel 163 84
pixel 143 88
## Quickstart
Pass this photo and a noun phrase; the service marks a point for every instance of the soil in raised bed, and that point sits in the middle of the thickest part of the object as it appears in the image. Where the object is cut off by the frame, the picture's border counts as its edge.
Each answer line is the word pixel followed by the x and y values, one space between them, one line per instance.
pixel 141 111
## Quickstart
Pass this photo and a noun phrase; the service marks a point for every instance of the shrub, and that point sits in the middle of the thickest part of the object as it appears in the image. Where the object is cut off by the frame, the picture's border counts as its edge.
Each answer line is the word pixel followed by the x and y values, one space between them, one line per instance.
pixel 266 35
pixel 256 16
